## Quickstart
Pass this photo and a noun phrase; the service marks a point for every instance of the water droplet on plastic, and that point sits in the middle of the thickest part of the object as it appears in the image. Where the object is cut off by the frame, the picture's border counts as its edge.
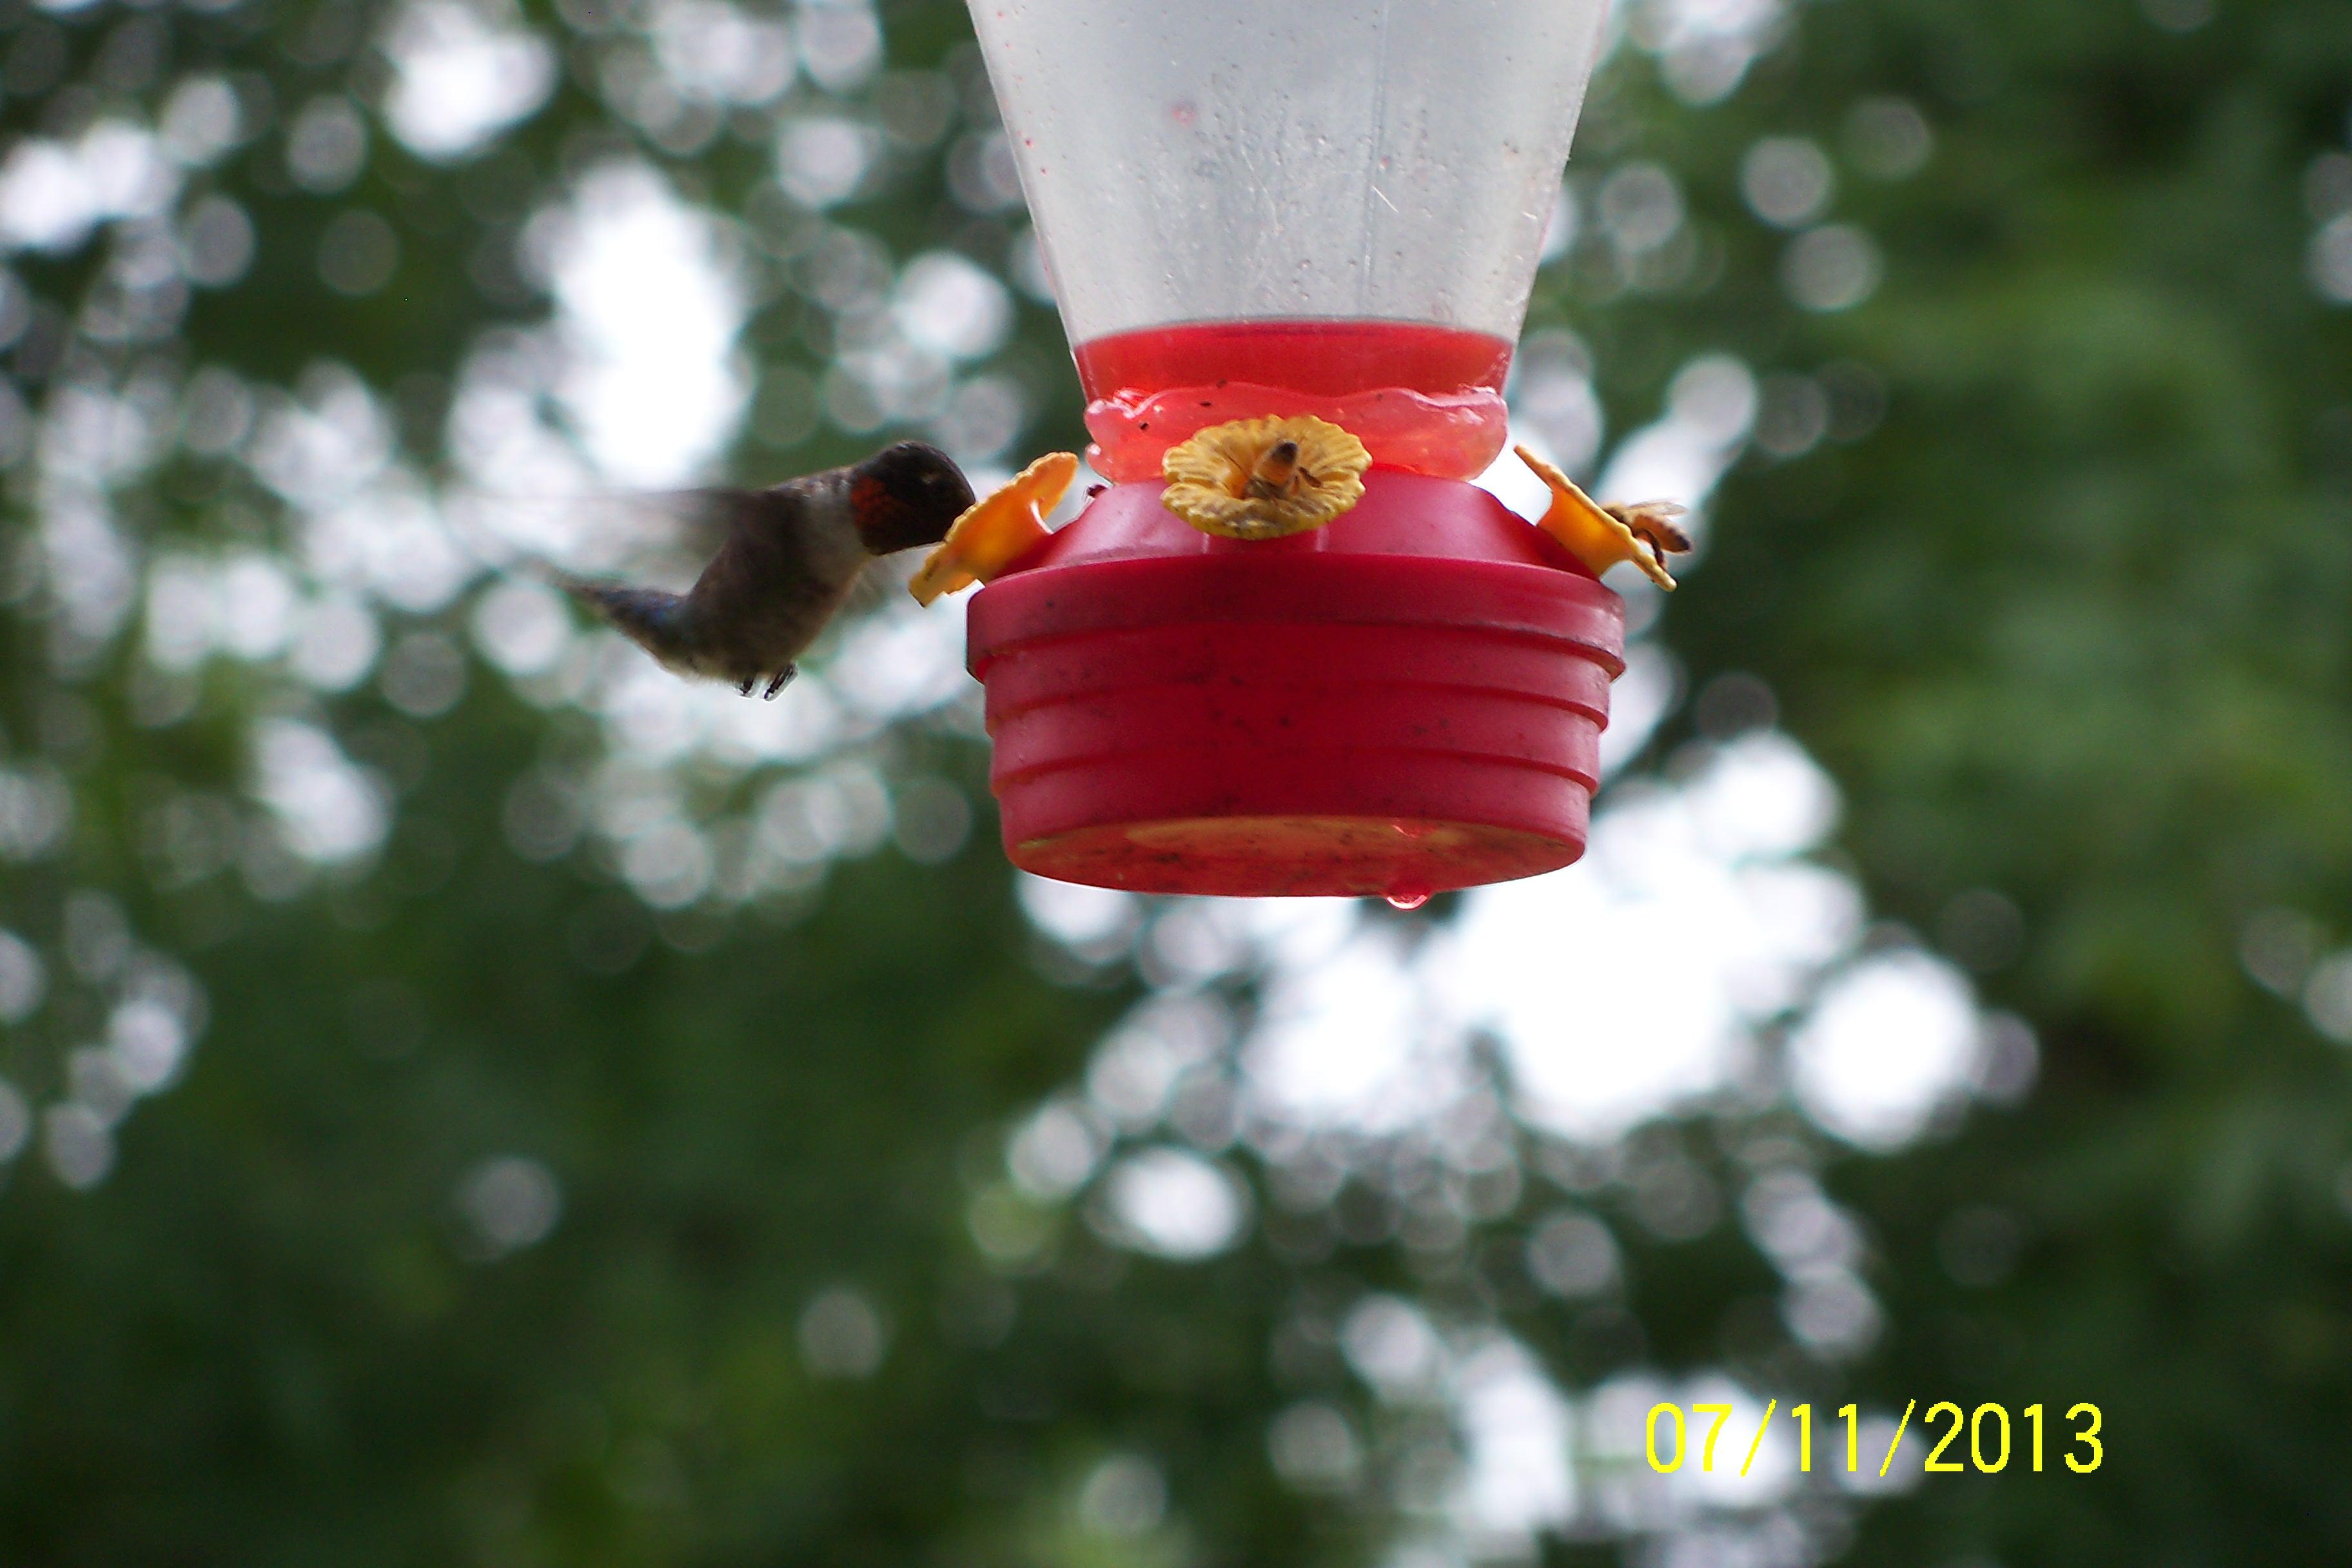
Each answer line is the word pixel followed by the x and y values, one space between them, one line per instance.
pixel 1408 899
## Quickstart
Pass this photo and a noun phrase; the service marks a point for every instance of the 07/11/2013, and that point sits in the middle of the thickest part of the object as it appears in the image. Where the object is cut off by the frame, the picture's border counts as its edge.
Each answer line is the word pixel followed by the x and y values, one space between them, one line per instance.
pixel 1987 1428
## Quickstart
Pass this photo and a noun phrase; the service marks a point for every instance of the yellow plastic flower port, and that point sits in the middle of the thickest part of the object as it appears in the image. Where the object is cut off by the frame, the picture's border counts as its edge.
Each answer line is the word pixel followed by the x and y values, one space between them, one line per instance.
pixel 1602 536
pixel 997 530
pixel 1261 478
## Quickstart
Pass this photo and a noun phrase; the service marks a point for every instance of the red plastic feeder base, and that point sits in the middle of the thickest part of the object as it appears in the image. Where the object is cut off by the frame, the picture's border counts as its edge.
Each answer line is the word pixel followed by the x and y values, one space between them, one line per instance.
pixel 1407 701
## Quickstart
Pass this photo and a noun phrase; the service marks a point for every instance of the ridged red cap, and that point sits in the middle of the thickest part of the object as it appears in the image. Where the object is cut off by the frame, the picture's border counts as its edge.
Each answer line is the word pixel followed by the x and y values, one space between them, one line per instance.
pixel 1405 701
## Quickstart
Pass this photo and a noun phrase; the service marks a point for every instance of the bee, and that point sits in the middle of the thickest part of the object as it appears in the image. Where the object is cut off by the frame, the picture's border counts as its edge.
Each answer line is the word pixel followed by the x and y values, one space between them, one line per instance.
pixel 1276 476
pixel 1651 522
pixel 1644 533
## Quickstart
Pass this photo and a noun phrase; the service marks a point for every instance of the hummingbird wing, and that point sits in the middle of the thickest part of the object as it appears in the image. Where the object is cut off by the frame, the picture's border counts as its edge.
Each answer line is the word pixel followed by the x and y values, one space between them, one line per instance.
pixel 883 579
pixel 662 537
pixel 682 525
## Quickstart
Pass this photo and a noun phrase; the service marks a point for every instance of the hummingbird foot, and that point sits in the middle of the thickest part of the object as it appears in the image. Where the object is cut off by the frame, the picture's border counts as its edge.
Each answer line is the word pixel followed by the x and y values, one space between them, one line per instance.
pixel 783 678
pixel 749 682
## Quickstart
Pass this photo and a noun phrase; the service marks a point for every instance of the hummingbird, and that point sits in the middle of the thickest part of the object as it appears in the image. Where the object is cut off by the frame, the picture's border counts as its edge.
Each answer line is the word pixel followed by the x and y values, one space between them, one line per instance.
pixel 791 556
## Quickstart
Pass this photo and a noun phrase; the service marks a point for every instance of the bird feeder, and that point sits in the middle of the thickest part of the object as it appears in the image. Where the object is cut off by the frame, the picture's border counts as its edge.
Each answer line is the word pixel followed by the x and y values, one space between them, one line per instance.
pixel 1292 244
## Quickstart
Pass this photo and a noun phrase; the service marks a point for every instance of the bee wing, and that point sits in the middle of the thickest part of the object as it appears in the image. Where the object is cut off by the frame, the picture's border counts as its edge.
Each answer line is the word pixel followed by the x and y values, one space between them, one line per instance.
pixel 1652 521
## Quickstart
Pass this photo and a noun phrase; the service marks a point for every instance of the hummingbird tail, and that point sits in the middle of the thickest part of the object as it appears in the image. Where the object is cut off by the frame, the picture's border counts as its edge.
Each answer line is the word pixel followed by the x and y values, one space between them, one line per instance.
pixel 650 617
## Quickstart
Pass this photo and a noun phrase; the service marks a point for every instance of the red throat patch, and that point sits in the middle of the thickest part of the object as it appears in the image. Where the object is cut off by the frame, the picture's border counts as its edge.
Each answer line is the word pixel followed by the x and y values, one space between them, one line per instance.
pixel 884 519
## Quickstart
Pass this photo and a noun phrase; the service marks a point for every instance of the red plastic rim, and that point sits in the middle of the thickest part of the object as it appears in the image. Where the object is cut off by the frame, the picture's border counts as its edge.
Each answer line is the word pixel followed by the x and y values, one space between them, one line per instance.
pixel 1405 702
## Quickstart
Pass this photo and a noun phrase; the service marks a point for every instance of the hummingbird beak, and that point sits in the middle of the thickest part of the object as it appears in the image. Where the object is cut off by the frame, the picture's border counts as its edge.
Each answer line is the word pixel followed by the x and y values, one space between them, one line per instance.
pixel 997 531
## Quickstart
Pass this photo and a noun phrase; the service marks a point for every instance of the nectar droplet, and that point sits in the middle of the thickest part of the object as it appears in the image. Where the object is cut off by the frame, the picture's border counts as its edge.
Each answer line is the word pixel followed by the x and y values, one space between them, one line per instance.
pixel 1408 899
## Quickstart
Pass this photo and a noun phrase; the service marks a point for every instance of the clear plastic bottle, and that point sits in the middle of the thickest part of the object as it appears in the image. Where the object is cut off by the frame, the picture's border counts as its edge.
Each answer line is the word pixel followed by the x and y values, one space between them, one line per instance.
pixel 1292 206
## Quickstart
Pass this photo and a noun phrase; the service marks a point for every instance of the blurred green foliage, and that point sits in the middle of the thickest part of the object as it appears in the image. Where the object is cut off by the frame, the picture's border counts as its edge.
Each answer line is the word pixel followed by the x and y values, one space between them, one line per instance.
pixel 2057 591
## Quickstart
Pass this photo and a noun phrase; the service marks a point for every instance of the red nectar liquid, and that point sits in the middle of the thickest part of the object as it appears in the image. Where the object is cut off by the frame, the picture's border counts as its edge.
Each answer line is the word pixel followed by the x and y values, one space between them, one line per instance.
pixel 1424 398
